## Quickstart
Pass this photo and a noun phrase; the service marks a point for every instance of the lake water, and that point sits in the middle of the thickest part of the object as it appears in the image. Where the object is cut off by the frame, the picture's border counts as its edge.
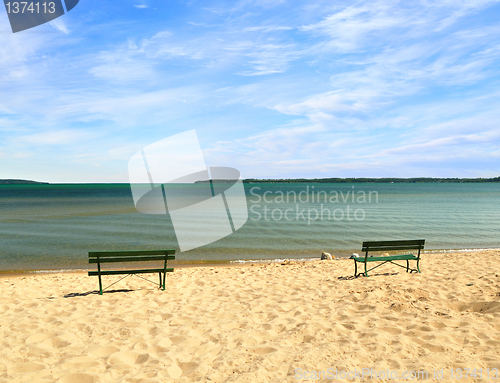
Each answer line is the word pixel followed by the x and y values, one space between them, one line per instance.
pixel 45 227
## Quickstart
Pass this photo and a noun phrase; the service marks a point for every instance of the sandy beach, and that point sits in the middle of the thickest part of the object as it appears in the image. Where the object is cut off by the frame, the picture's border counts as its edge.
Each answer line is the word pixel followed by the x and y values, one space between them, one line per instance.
pixel 257 323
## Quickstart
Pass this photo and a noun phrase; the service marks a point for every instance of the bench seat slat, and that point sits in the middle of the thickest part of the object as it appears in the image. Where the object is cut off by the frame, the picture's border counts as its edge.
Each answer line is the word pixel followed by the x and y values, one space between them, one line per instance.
pixel 116 272
pixel 129 253
pixel 127 259
pixel 394 243
pixel 401 257
pixel 390 248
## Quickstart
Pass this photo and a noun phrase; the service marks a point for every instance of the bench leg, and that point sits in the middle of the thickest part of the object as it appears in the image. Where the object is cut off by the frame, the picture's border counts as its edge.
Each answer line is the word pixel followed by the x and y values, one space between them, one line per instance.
pixel 417 270
pixel 99 274
pixel 407 265
pixel 100 285
pixel 162 280
pixel 365 274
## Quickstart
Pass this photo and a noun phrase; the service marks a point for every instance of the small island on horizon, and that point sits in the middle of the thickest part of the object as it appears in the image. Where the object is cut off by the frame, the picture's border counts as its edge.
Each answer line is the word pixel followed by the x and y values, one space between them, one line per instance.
pixel 21 182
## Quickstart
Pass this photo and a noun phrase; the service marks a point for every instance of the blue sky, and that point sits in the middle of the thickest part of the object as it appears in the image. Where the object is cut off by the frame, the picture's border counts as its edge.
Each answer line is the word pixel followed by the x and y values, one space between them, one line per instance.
pixel 276 89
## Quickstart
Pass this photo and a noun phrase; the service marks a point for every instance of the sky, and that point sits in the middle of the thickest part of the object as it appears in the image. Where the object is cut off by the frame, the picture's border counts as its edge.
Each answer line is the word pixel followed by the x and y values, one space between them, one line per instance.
pixel 273 88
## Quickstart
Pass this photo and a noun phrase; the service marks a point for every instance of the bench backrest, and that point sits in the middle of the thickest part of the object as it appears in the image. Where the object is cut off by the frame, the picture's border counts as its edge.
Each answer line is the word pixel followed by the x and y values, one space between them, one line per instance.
pixel 130 256
pixel 393 245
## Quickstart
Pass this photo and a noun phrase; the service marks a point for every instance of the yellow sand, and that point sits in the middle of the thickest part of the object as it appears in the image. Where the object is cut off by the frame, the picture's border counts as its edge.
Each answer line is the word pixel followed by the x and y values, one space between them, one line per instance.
pixel 261 323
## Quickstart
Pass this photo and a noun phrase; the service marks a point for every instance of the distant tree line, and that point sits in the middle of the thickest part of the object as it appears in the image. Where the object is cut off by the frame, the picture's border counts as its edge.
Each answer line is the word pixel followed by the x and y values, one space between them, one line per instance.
pixel 20 182
pixel 373 180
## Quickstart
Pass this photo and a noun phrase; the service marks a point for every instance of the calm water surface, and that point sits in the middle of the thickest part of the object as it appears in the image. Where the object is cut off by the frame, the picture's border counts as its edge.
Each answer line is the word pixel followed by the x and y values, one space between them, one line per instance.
pixel 55 226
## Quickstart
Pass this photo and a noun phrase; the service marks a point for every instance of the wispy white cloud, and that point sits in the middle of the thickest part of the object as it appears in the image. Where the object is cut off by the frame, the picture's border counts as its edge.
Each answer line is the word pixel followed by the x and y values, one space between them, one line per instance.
pixel 352 27
pixel 330 102
pixel 122 67
pixel 59 137
pixel 205 25
pixel 270 58
pixel 60 25
pixel 148 107
pixel 269 28
pixel 16 50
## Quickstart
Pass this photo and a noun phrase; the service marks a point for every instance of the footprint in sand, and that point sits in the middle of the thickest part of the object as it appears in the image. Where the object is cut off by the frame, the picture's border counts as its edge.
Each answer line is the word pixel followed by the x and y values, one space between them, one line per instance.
pixel 27 367
pixel 79 362
pixel 263 350
pixel 127 358
pixel 433 347
pixel 78 377
pixel 37 338
pixel 188 367
pixel 104 351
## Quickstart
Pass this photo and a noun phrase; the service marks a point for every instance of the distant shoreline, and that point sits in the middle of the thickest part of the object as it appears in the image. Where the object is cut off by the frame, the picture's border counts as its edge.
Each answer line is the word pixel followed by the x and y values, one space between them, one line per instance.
pixel 367 180
pixel 22 182
pixel 293 180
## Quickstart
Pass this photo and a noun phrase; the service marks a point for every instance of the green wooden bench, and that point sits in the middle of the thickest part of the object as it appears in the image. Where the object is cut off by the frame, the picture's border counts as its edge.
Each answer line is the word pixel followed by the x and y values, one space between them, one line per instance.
pixel 389 246
pixel 100 257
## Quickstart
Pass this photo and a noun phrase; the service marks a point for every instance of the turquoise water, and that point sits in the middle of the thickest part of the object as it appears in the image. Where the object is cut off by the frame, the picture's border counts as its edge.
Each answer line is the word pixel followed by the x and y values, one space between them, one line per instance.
pixel 45 227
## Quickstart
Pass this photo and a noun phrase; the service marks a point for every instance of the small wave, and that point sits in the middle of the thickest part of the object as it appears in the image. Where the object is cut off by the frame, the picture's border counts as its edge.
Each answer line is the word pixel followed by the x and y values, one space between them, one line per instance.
pixel 56 271
pixel 276 260
pixel 459 250
pixel 37 272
